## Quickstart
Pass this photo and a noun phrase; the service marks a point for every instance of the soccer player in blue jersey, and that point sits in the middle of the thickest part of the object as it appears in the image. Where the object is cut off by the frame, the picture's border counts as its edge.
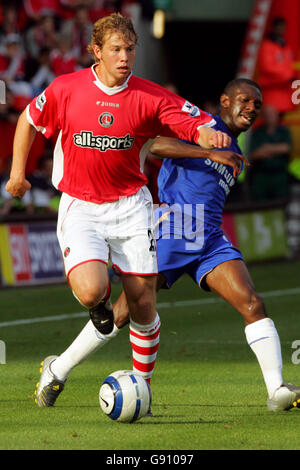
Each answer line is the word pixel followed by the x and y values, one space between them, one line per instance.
pixel 190 240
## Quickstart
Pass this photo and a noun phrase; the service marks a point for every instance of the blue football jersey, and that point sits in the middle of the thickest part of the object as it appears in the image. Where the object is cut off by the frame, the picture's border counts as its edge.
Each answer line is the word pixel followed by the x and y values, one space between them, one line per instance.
pixel 198 181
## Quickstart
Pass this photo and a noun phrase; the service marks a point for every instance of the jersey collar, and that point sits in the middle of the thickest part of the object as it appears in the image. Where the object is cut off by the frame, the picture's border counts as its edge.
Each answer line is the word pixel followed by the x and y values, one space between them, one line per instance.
pixel 106 89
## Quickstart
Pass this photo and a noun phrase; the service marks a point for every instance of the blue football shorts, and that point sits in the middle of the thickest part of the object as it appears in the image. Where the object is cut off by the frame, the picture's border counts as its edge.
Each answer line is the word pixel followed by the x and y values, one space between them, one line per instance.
pixel 179 255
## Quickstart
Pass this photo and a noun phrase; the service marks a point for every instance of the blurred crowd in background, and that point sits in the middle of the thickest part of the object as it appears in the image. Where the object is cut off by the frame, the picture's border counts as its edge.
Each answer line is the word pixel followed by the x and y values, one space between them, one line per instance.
pixel 41 39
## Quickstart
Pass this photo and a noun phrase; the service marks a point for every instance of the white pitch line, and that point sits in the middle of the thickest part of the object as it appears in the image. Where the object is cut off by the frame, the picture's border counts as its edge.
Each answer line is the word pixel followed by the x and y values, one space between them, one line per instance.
pixel 161 305
pixel 29 321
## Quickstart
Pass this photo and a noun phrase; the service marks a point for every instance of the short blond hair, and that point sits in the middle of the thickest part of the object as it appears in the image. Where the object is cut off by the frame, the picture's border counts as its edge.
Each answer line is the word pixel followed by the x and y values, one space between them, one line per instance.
pixel 114 23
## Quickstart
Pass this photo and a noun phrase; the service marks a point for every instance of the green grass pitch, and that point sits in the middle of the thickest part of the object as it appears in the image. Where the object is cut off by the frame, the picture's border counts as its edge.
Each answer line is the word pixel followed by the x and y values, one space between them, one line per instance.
pixel 208 391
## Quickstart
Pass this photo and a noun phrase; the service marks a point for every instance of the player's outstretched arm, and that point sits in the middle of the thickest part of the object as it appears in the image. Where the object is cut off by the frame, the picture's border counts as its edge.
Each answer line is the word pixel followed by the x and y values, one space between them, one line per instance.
pixel 168 147
pixel 17 184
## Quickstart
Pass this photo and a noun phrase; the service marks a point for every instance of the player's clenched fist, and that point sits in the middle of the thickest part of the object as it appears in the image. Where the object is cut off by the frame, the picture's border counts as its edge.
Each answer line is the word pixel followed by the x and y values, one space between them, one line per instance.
pixel 17 187
pixel 210 138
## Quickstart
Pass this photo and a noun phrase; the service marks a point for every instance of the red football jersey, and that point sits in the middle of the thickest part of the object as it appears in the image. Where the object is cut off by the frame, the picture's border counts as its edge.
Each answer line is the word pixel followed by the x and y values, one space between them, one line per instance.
pixel 103 132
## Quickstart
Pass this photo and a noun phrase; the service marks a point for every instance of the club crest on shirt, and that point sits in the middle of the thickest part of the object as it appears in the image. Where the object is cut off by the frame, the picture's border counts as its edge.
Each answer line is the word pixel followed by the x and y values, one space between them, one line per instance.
pixel 66 252
pixel 106 119
pixel 40 101
pixel 190 109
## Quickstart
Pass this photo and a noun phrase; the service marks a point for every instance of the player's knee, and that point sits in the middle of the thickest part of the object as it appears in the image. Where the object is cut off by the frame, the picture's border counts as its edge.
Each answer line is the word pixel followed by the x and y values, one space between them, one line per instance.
pixel 254 308
pixel 145 301
pixel 91 297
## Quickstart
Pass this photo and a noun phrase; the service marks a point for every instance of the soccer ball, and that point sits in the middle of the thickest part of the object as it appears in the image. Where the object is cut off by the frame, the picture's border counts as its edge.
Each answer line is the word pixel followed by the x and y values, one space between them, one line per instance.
pixel 125 396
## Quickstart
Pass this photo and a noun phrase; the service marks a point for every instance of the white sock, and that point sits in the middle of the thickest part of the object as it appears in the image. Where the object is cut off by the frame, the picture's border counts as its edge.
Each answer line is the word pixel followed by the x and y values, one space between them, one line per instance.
pixel 87 342
pixel 263 339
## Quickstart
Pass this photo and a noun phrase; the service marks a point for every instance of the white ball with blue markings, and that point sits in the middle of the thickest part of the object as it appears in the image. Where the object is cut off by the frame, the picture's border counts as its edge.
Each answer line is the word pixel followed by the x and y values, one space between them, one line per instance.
pixel 125 396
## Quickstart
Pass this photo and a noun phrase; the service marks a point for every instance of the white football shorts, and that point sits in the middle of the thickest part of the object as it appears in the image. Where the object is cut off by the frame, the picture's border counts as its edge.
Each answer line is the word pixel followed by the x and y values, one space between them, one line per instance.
pixel 120 231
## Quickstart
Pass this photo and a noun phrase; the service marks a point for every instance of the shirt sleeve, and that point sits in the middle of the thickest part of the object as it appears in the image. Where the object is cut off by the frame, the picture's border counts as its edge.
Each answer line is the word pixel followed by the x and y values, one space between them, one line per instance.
pixel 182 119
pixel 43 112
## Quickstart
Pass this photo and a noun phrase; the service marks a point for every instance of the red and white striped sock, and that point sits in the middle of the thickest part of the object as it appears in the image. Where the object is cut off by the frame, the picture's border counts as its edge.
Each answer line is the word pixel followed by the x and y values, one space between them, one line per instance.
pixel 144 340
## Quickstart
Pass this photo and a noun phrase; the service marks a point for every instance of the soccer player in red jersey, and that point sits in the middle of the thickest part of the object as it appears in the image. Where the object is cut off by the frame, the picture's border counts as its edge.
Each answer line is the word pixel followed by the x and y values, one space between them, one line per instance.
pixel 105 118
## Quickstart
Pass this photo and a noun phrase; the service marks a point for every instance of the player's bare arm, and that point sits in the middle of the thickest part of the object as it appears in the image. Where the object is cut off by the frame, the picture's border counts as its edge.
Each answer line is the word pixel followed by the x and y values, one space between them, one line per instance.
pixel 168 147
pixel 17 184
pixel 226 157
